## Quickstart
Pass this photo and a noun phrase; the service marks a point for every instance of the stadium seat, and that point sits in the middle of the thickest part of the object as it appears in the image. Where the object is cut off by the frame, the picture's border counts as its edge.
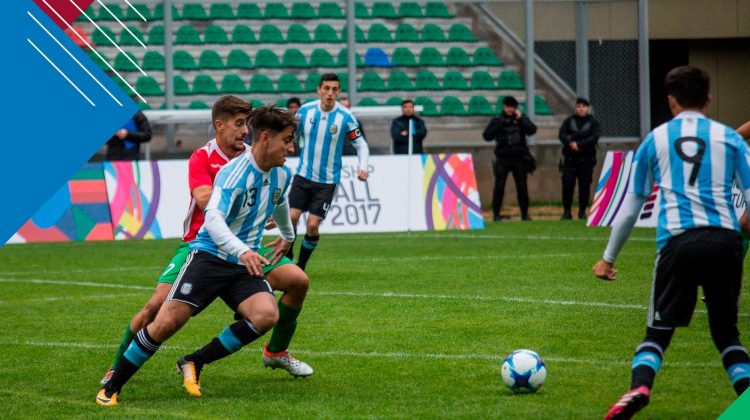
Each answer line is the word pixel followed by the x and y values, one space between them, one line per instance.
pixel 482 80
pixel 298 33
pixel 242 34
pixel 270 34
pixel 164 106
pixel 148 86
pixel 159 12
pixel 383 10
pixel 399 80
pixel 153 60
pixel 365 101
pixel 238 59
pixel 210 60
pixel 90 12
pixel 135 39
pixel 325 33
pixel 249 11
pixel 182 60
pixel 221 11
pixel 541 107
pixel 428 105
pixel 143 106
pixel 181 86
pixel 484 56
pixel 406 33
pixel 451 105
pixel 321 58
pixel 330 11
pixel 426 80
pixel 457 57
pixel 458 32
pixel 122 85
pixel 371 81
pixel 276 11
pixel 294 58
pixel 403 57
pixel 394 101
pixel 215 34
pixel 312 81
pixel 379 33
pixel 343 80
pixel 232 83
pixel 360 11
pixel 430 57
pixel 410 9
pixel 99 37
pixel 342 59
pixel 437 10
pixel 376 57
pixel 479 105
pixel 187 34
pixel 266 59
pixel 143 9
pixel 123 64
pixel 204 85
pixel 256 103
pixel 100 62
pixel 114 9
pixel 359 34
pixel 260 83
pixel 454 80
pixel 194 11
pixel 198 105
pixel 156 35
pixel 302 11
pixel 432 33
pixel 289 83
pixel 510 80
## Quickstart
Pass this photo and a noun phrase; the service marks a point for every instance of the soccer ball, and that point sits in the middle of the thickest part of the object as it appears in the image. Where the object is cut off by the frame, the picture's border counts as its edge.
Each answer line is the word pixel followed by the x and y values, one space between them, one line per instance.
pixel 523 371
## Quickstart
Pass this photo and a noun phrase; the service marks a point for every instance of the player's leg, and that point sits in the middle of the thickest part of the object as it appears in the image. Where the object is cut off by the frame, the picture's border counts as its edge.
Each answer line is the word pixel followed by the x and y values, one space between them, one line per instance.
pixel 501 175
pixel 310 241
pixel 320 202
pixel 299 198
pixel 568 186
pixel 522 192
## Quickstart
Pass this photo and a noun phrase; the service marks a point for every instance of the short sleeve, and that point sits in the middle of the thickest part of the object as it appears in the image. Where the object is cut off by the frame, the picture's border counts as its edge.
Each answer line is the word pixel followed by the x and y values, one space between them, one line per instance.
pixel 742 162
pixel 641 177
pixel 198 170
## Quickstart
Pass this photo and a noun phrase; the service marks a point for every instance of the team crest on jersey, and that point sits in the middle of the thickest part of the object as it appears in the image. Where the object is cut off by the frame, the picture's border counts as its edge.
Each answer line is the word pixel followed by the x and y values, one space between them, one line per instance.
pixel 186 288
pixel 334 129
pixel 276 195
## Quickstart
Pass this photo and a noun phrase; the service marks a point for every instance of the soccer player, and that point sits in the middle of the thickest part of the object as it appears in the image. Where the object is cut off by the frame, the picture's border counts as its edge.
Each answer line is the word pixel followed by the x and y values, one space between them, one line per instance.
pixel 694 161
pixel 224 260
pixel 324 126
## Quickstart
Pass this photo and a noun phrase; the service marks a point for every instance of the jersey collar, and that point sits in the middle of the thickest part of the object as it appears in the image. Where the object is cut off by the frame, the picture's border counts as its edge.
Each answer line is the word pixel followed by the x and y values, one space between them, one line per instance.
pixel 690 114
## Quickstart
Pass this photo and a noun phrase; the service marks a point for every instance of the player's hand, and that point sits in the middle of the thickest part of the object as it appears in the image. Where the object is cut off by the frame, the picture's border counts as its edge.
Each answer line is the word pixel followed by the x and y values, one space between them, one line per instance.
pixel 362 174
pixel 254 262
pixel 605 270
pixel 574 146
pixel 270 224
pixel 279 248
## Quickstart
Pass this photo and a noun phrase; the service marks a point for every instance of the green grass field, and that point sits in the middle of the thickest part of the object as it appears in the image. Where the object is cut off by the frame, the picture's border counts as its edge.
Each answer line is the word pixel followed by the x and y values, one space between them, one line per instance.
pixel 395 325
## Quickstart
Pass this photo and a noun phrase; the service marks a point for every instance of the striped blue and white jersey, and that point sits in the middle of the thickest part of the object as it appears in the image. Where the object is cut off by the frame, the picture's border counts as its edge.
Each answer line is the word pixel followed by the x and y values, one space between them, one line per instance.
pixel 321 136
pixel 694 162
pixel 244 196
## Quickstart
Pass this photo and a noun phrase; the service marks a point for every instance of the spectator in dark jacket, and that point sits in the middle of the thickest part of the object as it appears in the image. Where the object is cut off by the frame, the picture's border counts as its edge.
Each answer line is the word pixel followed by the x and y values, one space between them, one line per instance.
pixel 509 131
pixel 579 135
pixel 400 130
pixel 126 143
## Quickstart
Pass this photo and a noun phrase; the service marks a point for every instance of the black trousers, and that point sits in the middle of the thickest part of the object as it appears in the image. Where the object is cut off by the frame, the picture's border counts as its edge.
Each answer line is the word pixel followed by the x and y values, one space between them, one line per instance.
pixel 581 169
pixel 503 166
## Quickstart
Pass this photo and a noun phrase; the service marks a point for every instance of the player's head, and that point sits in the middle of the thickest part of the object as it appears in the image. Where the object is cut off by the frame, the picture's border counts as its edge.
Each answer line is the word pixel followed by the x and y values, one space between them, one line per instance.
pixel 509 105
pixel 687 88
pixel 273 133
pixel 407 108
pixel 582 107
pixel 293 104
pixel 328 90
pixel 345 102
pixel 229 116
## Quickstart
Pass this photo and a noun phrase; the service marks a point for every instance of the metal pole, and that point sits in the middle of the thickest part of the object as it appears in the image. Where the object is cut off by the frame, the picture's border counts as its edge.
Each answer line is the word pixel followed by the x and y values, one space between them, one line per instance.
pixel 644 76
pixel 582 50
pixel 168 69
pixel 351 45
pixel 530 63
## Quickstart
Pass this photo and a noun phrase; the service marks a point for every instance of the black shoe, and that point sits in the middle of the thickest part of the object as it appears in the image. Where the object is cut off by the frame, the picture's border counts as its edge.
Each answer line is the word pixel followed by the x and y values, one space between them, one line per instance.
pixel 526 218
pixel 567 216
pixel 496 218
pixel 582 216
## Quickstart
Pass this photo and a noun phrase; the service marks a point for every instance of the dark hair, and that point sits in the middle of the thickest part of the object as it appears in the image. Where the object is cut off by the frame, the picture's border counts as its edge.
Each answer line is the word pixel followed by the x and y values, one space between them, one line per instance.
pixel 510 101
pixel 580 100
pixel 228 106
pixel 329 77
pixel 688 85
pixel 293 100
pixel 407 101
pixel 271 119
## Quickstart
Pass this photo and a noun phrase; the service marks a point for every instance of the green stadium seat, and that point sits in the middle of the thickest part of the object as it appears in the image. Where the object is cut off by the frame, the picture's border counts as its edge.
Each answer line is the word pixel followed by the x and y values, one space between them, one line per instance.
pixel 182 60
pixel 371 81
pixel 99 37
pixel 270 34
pixel 410 9
pixel 143 106
pixel 232 83
pixel 428 105
pixel 541 107
pixel 159 12
pixel 432 33
pixel 194 11
pixel 107 16
pixel 221 11
pixel 100 62
pixel 289 83
pixel 321 58
pixel 479 105
pixel 156 35
pixel 164 106
pixel 359 34
pixel 484 56
pixel 342 59
pixel 403 57
pixel 260 83
pixel 450 105
pixel 123 64
pixel 215 34
pixel 267 59
pixel 143 9
pixel 457 57
pixel 238 59
pixel 379 33
pixel 187 34
pixel 367 102
pixel 204 85
pixel 360 11
pixel 281 102
pixel 135 39
pixel 394 101
pixel 242 34
pixel 210 60
pixel 454 80
pixel 383 10
pixel 482 80
pixel 343 80
pixel 298 33
pixel 181 87
pixel 330 11
pixel 294 58
pixel 276 11
pixel 399 80
pixel 90 12
pixel 312 82
pixel 437 10
pixel 249 11
pixel 302 11
pixel 406 33
pixel 426 80
pixel 458 32
pixel 198 105
pixel 122 85
pixel 510 80
pixel 430 57
pixel 256 103
pixel 325 33
pixel 148 86
pixel 153 60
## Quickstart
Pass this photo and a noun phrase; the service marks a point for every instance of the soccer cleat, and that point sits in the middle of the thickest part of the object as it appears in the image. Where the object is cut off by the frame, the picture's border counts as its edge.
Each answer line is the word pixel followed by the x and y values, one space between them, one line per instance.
pixel 190 376
pixel 107 376
pixel 106 398
pixel 629 404
pixel 286 361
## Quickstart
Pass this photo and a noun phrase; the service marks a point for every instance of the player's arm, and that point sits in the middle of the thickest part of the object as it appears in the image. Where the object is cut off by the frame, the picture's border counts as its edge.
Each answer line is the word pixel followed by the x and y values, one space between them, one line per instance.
pixel 283 220
pixel 363 150
pixel 744 130
pixel 199 178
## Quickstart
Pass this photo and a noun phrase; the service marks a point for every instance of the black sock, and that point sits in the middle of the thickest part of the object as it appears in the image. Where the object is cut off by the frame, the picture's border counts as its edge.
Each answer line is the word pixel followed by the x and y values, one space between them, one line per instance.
pixel 306 249
pixel 648 357
pixel 140 350
pixel 737 364
pixel 229 341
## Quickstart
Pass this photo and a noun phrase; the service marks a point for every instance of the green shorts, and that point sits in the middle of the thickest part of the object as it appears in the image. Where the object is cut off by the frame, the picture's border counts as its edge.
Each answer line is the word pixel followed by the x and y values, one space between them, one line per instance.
pixel 183 249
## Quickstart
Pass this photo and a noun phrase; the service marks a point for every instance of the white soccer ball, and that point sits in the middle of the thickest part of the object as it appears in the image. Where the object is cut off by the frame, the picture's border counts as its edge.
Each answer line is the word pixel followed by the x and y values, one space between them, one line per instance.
pixel 523 371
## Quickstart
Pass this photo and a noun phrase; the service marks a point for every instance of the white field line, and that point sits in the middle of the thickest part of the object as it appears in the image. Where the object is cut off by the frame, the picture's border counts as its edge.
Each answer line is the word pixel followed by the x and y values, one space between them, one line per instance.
pixel 74 58
pixel 491 236
pixel 61 72
pixel 136 10
pixel 122 24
